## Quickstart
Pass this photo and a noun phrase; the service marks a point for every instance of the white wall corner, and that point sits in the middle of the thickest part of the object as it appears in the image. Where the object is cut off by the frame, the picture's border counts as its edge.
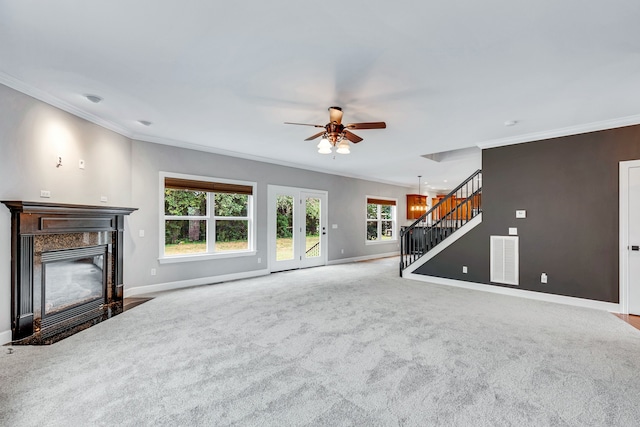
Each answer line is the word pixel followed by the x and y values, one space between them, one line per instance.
pixel 5 337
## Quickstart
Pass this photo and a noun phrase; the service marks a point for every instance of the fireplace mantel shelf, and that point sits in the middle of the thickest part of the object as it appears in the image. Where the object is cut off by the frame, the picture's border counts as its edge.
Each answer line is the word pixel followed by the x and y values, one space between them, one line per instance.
pixel 61 208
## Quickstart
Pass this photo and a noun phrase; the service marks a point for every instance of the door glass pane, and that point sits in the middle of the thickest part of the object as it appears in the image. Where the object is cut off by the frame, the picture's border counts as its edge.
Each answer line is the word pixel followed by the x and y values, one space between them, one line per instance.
pixel 312 226
pixel 284 228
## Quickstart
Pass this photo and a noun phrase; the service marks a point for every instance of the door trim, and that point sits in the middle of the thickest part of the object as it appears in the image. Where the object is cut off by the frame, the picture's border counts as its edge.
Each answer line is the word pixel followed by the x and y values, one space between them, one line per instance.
pixel 624 233
pixel 271 192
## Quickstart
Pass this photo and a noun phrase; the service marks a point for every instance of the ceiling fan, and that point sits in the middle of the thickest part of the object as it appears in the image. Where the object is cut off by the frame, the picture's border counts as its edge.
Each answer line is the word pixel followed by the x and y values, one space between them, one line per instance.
pixel 335 133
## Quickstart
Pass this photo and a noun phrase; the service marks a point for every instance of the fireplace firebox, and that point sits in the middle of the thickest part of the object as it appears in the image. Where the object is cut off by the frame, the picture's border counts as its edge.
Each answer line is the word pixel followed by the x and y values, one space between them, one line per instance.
pixel 66 268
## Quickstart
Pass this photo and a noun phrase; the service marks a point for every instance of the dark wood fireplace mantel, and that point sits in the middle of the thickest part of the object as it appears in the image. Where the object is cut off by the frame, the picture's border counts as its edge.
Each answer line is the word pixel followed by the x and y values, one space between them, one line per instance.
pixel 39 227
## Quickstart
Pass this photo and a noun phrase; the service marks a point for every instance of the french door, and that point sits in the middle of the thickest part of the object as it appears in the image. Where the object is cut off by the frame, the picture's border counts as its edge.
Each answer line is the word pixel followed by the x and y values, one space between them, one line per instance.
pixel 630 237
pixel 297 228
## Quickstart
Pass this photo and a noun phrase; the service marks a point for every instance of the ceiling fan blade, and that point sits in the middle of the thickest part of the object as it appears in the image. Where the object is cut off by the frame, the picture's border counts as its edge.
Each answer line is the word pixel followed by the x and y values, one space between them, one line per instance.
pixel 315 136
pixel 370 125
pixel 303 124
pixel 352 137
pixel 335 115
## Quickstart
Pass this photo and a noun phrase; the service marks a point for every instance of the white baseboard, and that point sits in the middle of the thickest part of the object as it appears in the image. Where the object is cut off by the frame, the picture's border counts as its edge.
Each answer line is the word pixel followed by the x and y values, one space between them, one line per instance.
pixel 142 290
pixel 5 337
pixel 362 258
pixel 540 296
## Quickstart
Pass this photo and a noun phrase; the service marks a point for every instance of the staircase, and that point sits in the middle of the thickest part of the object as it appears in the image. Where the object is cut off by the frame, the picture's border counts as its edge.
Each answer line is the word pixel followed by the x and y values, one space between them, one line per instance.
pixel 455 210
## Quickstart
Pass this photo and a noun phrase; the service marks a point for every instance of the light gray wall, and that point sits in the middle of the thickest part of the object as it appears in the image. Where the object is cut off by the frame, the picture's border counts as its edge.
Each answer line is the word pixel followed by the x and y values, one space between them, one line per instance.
pixel 347 208
pixel 32 135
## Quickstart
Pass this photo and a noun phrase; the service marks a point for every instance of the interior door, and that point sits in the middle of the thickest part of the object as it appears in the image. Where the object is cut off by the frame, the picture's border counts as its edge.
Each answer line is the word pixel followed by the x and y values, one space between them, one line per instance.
pixel 297 228
pixel 633 246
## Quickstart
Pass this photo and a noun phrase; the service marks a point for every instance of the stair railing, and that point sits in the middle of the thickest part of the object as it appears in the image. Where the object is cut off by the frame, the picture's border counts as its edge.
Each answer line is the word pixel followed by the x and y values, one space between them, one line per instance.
pixel 457 208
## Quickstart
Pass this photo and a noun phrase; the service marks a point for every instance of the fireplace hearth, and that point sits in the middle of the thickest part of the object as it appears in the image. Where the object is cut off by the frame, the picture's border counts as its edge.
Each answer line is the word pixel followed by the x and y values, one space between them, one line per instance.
pixel 66 271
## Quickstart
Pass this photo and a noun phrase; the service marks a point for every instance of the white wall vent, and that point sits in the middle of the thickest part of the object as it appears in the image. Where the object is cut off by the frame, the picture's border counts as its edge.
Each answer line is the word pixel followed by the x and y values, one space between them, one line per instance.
pixel 504 259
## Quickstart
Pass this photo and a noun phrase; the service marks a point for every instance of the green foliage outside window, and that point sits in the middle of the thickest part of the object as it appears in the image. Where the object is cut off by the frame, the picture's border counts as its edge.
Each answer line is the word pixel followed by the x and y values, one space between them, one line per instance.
pixel 194 204
pixel 284 218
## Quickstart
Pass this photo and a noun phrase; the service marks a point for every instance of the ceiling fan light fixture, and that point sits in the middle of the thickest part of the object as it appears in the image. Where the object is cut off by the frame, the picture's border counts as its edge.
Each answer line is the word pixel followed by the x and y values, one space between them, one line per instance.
pixel 324 143
pixel 335 134
pixel 343 147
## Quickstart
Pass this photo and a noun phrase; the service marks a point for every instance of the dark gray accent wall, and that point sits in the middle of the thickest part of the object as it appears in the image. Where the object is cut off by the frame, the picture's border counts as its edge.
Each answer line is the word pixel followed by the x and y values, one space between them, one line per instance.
pixel 569 187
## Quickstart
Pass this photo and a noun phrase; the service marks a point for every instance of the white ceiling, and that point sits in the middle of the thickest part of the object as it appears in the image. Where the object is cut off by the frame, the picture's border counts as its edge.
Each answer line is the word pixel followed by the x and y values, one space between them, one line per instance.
pixel 223 76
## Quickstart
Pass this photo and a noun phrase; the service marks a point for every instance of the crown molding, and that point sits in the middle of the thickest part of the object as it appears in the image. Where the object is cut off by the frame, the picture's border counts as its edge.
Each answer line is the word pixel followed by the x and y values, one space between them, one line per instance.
pixel 47 98
pixel 555 133
pixel 246 156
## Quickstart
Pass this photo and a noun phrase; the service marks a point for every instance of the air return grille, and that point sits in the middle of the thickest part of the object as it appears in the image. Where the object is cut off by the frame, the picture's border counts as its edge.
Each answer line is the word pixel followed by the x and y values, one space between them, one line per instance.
pixel 504 259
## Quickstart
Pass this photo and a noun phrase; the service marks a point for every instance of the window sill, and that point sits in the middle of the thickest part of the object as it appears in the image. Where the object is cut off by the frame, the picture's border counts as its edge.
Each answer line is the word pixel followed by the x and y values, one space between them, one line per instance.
pixel 380 242
pixel 203 257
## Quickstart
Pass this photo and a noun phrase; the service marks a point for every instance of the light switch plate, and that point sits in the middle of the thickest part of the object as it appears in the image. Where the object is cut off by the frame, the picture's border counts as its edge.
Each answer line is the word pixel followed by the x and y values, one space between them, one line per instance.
pixel 513 231
pixel 521 213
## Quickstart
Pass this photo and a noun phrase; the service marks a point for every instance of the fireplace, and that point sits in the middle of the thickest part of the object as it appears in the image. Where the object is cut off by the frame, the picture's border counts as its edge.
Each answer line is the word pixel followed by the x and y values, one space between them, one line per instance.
pixel 66 268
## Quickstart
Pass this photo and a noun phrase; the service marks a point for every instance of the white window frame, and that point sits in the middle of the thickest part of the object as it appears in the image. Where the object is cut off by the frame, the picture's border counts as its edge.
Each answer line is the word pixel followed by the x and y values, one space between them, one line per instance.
pixel 394 220
pixel 251 217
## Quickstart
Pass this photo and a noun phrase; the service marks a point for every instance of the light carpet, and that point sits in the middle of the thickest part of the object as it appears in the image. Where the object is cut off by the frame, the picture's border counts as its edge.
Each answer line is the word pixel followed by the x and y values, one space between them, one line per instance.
pixel 339 345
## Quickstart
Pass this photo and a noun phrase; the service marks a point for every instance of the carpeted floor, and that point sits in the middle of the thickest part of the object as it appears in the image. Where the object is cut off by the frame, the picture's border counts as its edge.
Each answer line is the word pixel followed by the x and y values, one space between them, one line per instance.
pixel 332 346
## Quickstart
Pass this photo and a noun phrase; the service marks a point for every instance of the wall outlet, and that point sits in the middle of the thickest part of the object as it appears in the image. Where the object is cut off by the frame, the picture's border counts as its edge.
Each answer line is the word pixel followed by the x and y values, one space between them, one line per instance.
pixel 259 260
pixel 153 271
pixel 465 270
pixel 103 199
pixel 141 233
pixel 341 251
pixel 513 231
pixel 543 278
pixel 81 164
pixel 45 194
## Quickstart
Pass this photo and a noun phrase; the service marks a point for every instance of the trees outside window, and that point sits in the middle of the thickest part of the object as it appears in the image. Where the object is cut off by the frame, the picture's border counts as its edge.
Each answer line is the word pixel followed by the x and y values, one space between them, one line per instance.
pixel 381 219
pixel 203 217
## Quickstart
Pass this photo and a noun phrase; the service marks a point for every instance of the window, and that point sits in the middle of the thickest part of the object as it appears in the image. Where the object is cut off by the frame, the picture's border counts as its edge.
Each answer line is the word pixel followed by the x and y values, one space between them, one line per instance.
pixel 381 219
pixel 206 217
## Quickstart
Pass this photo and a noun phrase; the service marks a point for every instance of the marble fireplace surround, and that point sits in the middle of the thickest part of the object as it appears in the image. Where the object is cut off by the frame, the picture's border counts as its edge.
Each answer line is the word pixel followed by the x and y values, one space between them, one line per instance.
pixel 45 233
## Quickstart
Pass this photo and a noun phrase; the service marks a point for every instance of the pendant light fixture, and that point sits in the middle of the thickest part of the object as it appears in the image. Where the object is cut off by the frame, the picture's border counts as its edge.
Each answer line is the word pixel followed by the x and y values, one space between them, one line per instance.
pixel 416 203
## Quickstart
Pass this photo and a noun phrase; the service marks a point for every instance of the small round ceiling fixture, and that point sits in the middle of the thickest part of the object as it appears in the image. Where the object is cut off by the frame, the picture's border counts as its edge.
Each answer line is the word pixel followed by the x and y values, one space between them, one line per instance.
pixel 94 98
pixel 145 122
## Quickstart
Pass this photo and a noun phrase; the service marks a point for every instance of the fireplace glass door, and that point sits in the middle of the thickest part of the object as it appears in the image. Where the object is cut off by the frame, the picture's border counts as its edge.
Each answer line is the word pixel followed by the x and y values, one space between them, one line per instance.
pixel 73 278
